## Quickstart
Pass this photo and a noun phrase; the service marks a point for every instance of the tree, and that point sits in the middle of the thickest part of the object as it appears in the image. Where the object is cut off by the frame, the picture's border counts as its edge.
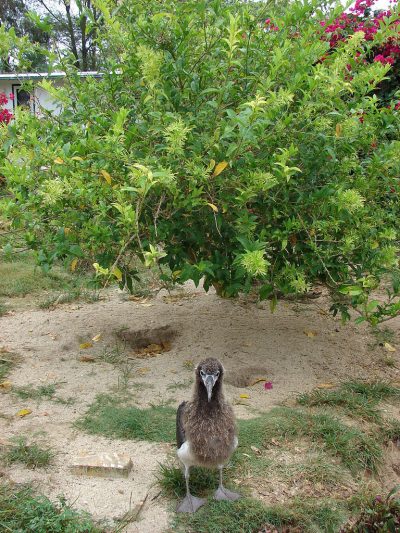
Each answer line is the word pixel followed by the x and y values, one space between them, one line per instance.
pixel 223 149
pixel 13 14
pixel 75 25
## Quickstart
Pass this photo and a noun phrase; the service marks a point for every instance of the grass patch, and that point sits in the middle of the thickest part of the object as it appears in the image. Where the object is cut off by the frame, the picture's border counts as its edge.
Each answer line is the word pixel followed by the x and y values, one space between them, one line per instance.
pixel 71 295
pixel 251 516
pixel 3 309
pixel 21 510
pixel 7 361
pixel 180 384
pixel 106 416
pixel 356 449
pixel 172 481
pixel 21 277
pixel 357 399
pixel 5 367
pixel 32 455
pixel 41 393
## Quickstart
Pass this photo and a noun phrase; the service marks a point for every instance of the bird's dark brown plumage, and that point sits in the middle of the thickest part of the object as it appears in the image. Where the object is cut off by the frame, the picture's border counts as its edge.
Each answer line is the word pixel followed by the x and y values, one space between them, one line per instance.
pixel 209 426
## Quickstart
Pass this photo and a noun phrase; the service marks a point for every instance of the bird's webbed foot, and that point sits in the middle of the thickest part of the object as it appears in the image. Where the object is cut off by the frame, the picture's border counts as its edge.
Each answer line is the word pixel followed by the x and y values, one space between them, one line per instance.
pixel 190 504
pixel 224 494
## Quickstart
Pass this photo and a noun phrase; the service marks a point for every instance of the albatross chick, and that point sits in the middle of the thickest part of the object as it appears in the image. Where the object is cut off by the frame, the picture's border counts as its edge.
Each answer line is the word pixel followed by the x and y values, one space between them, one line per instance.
pixel 206 431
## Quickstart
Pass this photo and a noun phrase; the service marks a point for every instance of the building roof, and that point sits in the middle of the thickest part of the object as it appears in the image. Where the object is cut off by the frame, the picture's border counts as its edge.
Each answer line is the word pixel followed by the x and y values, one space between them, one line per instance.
pixel 41 75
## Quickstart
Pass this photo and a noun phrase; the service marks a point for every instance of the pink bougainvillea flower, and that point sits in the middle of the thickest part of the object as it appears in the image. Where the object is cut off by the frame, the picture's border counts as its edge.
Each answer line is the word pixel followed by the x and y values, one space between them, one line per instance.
pixel 11 96
pixel 268 385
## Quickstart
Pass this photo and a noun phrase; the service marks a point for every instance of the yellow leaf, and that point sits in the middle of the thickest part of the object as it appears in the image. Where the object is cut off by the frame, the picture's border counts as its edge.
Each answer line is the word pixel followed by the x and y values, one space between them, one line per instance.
pixel 117 273
pixel 389 347
pixel 106 176
pixel 24 412
pixel 338 130
pixel 85 345
pixel 213 207
pixel 96 338
pixel 59 161
pixel 325 386
pixel 74 262
pixel 219 168
pixel 67 231
pixel 77 158
pixel 310 333
pixel 244 396
pixel 6 385
pixel 257 380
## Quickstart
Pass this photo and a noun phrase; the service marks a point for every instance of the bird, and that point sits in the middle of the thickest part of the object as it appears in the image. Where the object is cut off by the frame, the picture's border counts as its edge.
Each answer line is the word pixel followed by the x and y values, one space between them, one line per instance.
pixel 206 431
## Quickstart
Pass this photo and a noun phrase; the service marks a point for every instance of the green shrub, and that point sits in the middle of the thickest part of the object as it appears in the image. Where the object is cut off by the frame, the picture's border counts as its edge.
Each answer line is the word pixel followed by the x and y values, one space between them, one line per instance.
pixel 225 150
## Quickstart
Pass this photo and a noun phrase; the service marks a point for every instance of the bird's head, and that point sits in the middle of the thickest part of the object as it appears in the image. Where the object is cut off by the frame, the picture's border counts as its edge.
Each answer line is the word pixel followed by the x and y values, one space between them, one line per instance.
pixel 209 374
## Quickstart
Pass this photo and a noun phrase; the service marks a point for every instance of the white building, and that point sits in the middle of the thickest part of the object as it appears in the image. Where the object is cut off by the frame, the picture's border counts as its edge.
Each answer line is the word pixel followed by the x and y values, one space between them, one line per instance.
pixel 35 97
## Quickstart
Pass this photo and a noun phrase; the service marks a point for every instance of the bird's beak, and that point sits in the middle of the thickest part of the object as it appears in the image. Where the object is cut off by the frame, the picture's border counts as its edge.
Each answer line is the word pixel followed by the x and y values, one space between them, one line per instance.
pixel 209 382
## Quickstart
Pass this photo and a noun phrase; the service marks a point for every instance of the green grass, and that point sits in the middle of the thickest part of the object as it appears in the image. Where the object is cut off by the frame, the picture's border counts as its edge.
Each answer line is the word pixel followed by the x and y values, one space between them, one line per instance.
pixel 355 448
pixel 3 309
pixel 7 361
pixel 23 511
pixel 32 455
pixel 106 416
pixel 171 480
pixel 30 392
pixel 40 393
pixel 22 277
pixel 180 384
pixel 251 516
pixel 357 399
pixel 70 295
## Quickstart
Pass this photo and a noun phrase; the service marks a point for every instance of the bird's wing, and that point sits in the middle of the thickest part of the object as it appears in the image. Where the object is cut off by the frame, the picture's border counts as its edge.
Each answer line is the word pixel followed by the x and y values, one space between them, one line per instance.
pixel 180 430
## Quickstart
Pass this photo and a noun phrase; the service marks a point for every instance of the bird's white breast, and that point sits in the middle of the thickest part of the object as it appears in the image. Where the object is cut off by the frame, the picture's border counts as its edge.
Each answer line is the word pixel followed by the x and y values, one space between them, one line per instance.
pixel 185 454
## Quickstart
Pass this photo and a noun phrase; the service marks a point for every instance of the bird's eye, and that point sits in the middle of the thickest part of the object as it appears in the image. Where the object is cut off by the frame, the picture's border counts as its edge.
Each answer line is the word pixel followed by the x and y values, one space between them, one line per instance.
pixel 202 373
pixel 217 373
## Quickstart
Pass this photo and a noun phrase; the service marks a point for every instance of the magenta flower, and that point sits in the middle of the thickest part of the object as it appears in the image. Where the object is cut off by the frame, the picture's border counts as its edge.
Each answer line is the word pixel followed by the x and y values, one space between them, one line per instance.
pixel 268 385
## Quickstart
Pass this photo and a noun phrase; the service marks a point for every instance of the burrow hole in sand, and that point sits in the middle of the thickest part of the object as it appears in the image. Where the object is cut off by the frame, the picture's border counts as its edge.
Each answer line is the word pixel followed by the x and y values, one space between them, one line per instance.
pixel 149 342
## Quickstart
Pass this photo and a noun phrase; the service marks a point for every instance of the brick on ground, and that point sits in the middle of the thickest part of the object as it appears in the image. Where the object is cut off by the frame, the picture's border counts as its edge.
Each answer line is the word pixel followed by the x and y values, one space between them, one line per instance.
pixel 102 464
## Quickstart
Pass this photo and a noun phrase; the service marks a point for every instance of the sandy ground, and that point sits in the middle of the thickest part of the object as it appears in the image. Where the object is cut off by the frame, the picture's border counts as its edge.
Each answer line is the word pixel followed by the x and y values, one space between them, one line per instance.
pixel 297 348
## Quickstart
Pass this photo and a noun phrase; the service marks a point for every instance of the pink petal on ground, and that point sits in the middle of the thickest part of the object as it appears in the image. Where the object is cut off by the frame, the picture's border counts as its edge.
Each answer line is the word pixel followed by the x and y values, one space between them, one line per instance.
pixel 268 385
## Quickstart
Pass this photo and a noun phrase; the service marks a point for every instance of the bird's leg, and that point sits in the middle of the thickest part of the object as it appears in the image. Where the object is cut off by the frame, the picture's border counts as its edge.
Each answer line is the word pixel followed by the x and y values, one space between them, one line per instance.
pixel 222 493
pixel 190 503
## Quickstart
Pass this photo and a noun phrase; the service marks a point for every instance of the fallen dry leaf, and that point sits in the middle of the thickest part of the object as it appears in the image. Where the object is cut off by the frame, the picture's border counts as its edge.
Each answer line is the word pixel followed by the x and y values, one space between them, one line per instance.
pixel 3 349
pixel 325 386
pixel 256 450
pixel 310 333
pixel 87 359
pixel 6 385
pixel 153 349
pixel 389 348
pixel 257 380
pixel 244 396
pixel 85 345
pixel 143 370
pixel 24 412
pixel 96 338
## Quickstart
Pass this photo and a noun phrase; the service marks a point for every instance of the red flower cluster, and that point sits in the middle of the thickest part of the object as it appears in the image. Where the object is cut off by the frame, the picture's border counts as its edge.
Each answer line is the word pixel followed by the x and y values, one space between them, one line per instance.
pixel 5 115
pixel 269 25
pixel 359 20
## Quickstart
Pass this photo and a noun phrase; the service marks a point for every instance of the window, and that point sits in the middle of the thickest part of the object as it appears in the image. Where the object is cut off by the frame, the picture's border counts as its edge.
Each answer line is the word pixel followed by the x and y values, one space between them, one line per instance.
pixel 22 97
